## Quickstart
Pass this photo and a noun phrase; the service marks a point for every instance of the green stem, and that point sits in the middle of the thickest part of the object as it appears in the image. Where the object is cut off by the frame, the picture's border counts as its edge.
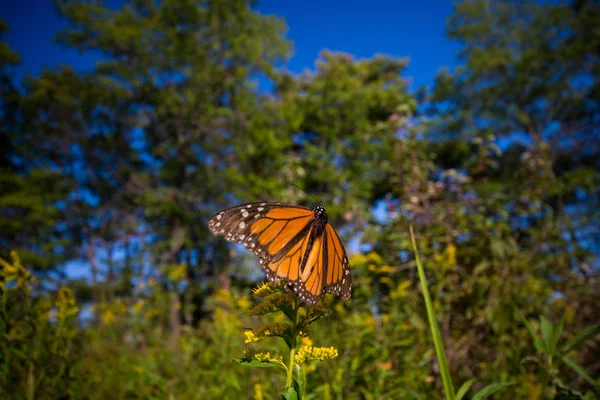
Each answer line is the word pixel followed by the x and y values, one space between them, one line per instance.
pixel 435 331
pixel 290 370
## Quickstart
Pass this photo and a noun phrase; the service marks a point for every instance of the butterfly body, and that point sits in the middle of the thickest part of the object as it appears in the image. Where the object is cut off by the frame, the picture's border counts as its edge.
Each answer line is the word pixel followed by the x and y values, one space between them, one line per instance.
pixel 294 243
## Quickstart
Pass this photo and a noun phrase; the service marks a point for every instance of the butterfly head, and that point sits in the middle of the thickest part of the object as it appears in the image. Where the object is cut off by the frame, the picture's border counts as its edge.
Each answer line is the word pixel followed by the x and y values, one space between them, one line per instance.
pixel 320 215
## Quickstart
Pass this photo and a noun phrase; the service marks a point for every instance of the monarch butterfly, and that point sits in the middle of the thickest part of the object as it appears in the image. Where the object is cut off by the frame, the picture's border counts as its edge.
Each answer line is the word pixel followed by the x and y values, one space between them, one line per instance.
pixel 294 243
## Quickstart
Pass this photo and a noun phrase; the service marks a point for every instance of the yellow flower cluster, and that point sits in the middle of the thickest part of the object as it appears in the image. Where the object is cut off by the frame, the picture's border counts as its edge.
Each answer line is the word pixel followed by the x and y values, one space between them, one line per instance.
pixel 401 290
pixel 315 353
pixel 267 357
pixel 250 337
pixel 258 392
pixel 243 304
pixel 14 271
pixel 263 290
pixel 272 303
pixel 65 302
pixel 276 329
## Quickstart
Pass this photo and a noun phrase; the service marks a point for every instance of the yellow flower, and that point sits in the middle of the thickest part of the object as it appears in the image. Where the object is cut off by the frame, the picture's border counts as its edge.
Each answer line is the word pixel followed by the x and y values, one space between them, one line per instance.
pixel 401 291
pixel 138 306
pixel 386 269
pixel 65 302
pixel 450 255
pixel 258 394
pixel 244 304
pixel 108 317
pixel 385 318
pixel 306 341
pixel 11 271
pixel 315 353
pixel 267 357
pixel 263 290
pixel 386 280
pixel 250 337
pixel 374 257
pixel 224 295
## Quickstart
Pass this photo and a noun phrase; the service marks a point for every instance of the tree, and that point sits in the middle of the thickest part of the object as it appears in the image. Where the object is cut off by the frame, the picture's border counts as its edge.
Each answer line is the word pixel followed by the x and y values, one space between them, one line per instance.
pixel 185 70
pixel 507 224
pixel 30 211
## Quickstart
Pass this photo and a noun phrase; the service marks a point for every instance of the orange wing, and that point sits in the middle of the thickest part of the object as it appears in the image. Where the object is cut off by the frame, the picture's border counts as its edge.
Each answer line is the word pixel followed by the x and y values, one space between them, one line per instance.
pixel 338 279
pixel 269 230
pixel 290 248
pixel 324 269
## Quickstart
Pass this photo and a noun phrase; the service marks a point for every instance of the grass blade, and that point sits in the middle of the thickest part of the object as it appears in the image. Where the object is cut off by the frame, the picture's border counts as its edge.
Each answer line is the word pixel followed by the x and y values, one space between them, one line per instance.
pixel 435 331
pixel 546 328
pixel 581 372
pixel 491 389
pixel 580 338
pixel 464 389
pixel 537 341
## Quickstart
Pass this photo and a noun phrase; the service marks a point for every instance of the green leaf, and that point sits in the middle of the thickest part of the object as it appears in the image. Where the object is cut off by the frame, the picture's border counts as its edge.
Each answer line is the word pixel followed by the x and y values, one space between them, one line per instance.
pixel 581 372
pixel 413 395
pixel 289 393
pixel 491 389
pixel 536 339
pixel 297 388
pixel 556 334
pixel 301 379
pixel 546 328
pixel 464 389
pixel 255 363
pixel 579 339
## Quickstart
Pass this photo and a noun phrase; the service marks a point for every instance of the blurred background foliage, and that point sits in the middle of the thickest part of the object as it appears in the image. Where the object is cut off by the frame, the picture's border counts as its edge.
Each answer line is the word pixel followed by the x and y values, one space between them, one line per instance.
pixel 118 169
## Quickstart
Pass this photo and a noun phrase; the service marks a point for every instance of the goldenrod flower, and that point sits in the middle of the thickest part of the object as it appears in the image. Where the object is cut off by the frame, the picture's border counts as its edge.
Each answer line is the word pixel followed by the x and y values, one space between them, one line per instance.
pixel 315 353
pixel 386 269
pixel 65 302
pixel 250 337
pixel 265 289
pixel 108 317
pixel 14 271
pixel 138 306
pixel 450 254
pixel 267 357
pixel 273 303
pixel 243 304
pixel 306 341
pixel 258 394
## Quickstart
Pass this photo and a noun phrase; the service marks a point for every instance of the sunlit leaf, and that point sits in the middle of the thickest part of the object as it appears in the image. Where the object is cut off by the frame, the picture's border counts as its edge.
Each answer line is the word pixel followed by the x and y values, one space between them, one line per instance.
pixel 491 389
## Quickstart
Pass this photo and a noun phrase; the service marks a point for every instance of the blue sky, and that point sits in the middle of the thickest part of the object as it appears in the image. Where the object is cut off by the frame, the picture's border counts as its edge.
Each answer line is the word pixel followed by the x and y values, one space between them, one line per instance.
pixel 362 28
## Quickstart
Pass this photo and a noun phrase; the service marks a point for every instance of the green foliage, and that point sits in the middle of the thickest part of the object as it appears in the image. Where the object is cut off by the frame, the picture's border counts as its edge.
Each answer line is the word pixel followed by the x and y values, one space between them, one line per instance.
pixel 277 300
pixel 115 171
pixel 38 348
pixel 550 350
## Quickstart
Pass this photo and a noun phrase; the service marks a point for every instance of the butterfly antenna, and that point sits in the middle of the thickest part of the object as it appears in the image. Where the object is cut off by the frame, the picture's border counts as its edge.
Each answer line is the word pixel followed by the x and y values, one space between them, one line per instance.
pixel 308 194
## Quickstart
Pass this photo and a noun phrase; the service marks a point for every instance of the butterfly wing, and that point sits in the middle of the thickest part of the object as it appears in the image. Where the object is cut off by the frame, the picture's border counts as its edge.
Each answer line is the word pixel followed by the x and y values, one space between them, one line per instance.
pixel 338 279
pixel 285 238
pixel 269 230
pixel 314 266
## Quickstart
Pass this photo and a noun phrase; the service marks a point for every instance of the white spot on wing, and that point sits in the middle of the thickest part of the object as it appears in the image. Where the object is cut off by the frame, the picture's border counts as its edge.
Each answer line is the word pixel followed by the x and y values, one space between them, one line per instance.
pixel 242 224
pixel 245 214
